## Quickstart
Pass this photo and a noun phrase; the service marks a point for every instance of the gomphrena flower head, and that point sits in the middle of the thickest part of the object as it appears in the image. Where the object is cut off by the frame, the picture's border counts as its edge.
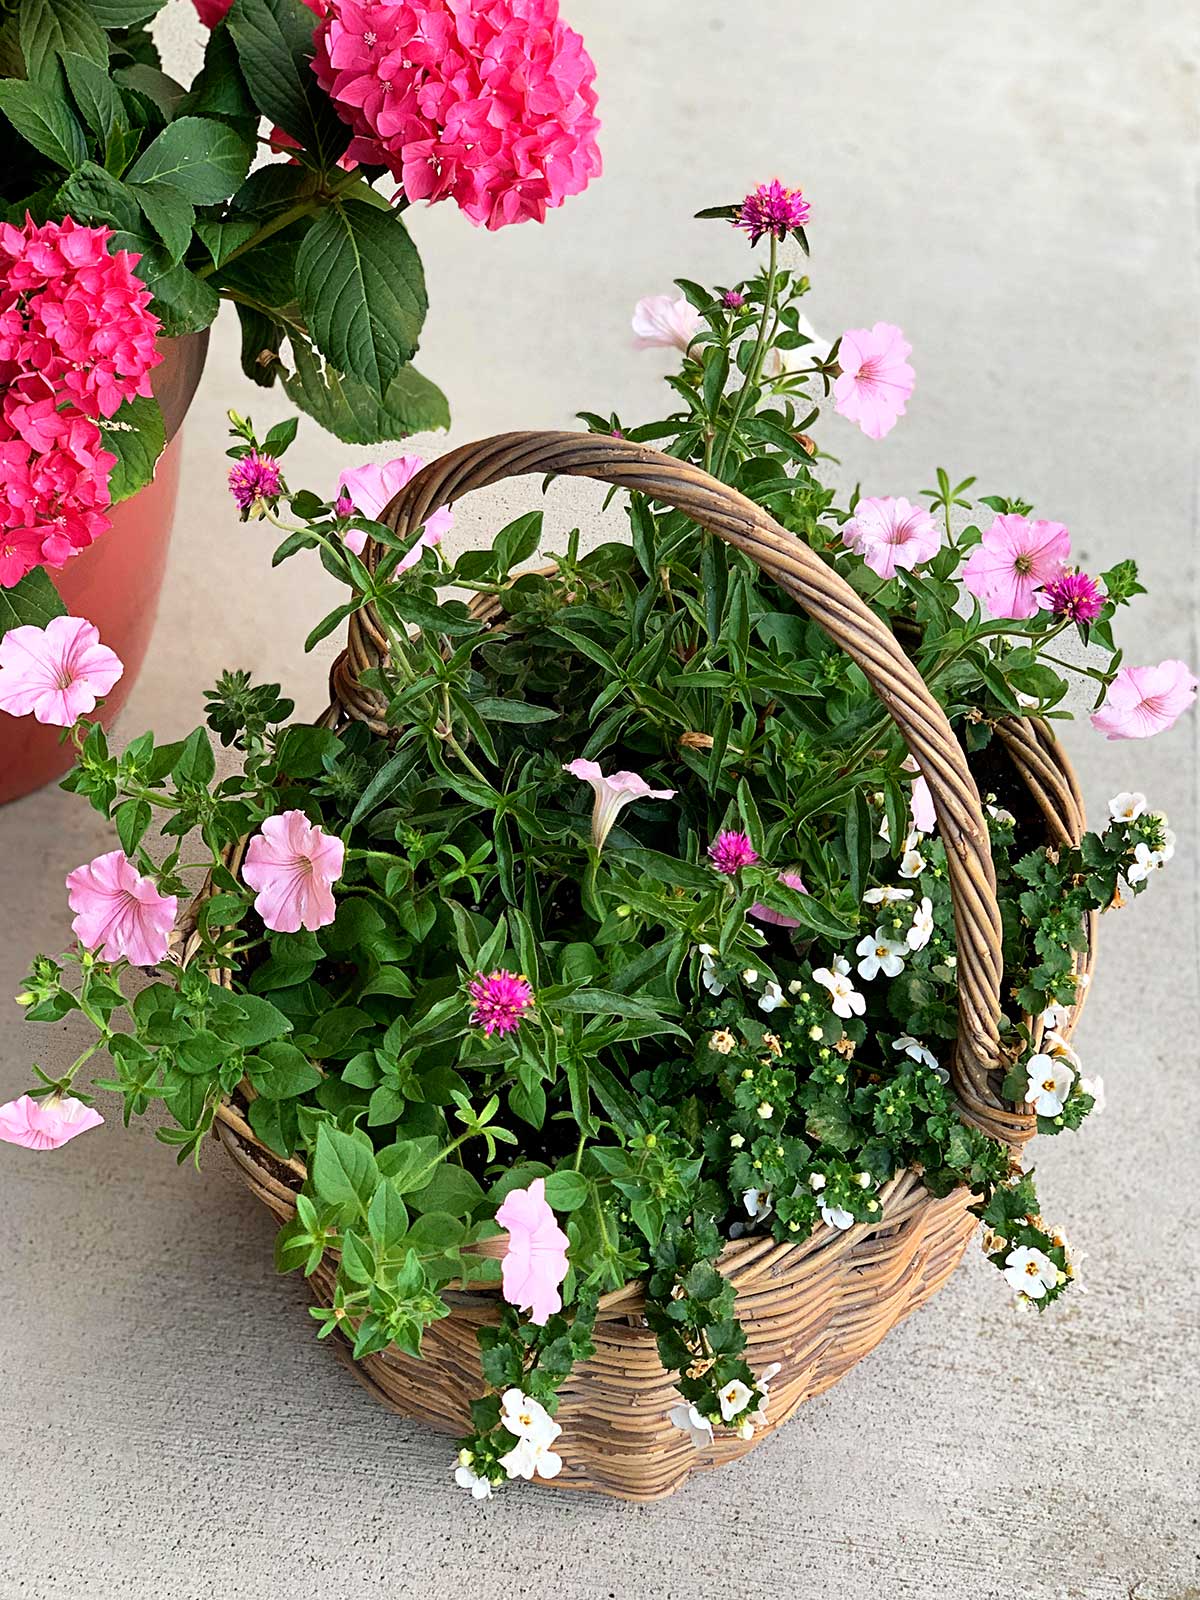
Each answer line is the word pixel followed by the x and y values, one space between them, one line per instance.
pixel 772 209
pixel 1076 597
pixel 733 299
pixel 731 850
pixel 500 1000
pixel 254 479
pixel 490 103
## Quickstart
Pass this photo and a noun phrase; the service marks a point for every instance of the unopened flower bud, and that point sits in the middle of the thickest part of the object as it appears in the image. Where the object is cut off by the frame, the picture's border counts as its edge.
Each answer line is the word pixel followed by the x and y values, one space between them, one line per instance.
pixel 25 998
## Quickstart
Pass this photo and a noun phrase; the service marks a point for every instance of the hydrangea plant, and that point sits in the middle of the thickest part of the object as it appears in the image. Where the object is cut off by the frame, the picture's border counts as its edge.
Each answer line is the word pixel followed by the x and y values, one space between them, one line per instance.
pixel 632 934
pixel 131 205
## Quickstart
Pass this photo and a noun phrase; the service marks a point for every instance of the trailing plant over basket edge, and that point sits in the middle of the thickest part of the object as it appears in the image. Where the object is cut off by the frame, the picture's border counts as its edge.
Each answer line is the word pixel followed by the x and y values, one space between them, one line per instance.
pixel 633 934
pixel 131 205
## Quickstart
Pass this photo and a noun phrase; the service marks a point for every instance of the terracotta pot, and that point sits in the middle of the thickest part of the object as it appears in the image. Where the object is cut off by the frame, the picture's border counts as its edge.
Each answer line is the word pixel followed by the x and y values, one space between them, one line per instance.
pixel 115 583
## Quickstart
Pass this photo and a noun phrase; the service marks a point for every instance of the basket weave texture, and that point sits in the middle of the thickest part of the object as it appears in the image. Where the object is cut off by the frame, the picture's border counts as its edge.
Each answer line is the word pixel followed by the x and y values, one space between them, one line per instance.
pixel 814 1307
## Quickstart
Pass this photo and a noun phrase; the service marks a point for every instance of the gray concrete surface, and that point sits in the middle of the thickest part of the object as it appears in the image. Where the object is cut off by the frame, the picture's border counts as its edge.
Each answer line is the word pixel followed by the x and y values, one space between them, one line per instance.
pixel 1015 186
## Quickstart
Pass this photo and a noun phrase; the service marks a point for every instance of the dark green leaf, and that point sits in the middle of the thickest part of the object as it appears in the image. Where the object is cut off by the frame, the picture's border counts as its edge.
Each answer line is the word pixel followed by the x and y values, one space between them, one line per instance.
pixel 275 48
pixel 50 28
pixel 33 601
pixel 205 160
pixel 44 121
pixel 135 434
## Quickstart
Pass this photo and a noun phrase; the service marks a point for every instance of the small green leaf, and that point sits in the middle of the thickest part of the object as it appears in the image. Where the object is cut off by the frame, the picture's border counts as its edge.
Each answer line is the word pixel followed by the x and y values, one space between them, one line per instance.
pixel 33 602
pixel 566 1190
pixel 136 436
pixel 344 1170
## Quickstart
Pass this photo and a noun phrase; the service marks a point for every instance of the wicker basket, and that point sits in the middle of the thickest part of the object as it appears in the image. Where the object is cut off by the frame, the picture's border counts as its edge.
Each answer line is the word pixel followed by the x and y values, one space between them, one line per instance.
pixel 814 1307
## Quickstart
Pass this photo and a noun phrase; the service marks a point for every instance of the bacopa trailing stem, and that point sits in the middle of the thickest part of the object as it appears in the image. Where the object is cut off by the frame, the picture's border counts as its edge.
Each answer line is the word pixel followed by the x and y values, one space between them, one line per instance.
pixel 634 932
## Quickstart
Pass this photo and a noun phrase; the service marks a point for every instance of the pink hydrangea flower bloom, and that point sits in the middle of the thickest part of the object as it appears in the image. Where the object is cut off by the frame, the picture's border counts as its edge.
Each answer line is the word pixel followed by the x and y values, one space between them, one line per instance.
pixel 253 479
pixel 58 672
pixel 489 103
pixel 372 487
pixel 771 208
pixel 780 919
pixel 1075 596
pixel 612 794
pixel 1142 701
pixel 535 1262
pixel 119 912
pixel 293 864
pixel 891 533
pixel 731 850
pixel 1013 563
pixel 876 379
pixel 500 1000
pixel 665 321
pixel 46 1124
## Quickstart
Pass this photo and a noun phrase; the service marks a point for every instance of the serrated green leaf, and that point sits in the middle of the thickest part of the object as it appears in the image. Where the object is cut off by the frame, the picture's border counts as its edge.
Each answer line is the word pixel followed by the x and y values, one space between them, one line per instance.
pixel 349 410
pixel 203 159
pixel 169 212
pixel 45 122
pixel 275 49
pixel 135 434
pixel 50 28
pixel 98 101
pixel 33 601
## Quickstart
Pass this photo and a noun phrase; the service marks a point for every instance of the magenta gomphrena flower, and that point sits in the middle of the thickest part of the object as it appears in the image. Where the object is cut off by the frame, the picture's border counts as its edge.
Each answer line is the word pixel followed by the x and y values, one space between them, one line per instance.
pixel 731 850
pixel 254 479
pixel 733 299
pixel 771 209
pixel 1076 597
pixel 500 999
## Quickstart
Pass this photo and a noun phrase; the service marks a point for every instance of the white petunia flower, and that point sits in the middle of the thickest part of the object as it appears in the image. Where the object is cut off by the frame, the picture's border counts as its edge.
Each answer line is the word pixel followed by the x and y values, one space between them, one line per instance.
pixel 847 1002
pixel 733 1398
pixel 757 1202
pixel 916 1051
pixel 481 1488
pixel 692 1422
pixel 919 935
pixel 912 864
pixel 708 970
pixel 771 997
pixel 1126 807
pixel 886 896
pixel 778 361
pixel 835 1217
pixel 1050 1080
pixel 880 954
pixel 1094 1087
pixel 1030 1272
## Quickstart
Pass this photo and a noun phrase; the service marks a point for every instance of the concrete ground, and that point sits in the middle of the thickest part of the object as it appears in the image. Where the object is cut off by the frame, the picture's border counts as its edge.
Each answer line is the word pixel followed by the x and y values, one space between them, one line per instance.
pixel 1015 186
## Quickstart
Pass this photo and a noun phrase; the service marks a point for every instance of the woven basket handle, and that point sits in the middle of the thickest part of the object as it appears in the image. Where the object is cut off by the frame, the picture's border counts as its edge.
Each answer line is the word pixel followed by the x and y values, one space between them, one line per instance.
pixel 829 601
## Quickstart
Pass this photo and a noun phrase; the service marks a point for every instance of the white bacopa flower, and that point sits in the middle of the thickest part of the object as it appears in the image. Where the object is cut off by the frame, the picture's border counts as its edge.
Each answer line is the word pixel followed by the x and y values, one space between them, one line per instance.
pixel 1055 1045
pixel 999 814
pixel 916 1051
pixel 737 1140
pixel 527 1418
pixel 708 970
pixel 912 864
pixel 465 1478
pixel 919 935
pixel 771 997
pixel 847 1002
pixel 757 1202
pixel 886 896
pixel 880 954
pixel 766 1110
pixel 692 1422
pixel 1030 1272
pixel 816 1181
pixel 835 1217
pixel 1126 807
pixel 1094 1087
pixel 1056 1016
pixel 733 1398
pixel 1050 1080
pixel 1146 860
pixel 529 1456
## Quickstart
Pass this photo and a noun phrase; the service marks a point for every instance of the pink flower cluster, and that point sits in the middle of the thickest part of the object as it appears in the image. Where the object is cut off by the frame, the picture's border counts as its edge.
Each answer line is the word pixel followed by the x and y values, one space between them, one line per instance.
pixel 490 102
pixel 76 341
pixel 772 209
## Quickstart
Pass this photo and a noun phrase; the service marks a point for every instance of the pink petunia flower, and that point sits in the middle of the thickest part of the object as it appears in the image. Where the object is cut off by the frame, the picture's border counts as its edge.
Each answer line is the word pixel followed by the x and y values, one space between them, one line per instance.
pixel 58 672
pixel 491 103
pixel 891 533
pixel 500 1000
pixel 665 321
pixel 780 919
pixel 46 1124
pixel 773 209
pixel 1142 701
pixel 612 794
pixel 731 850
pixel 876 379
pixel 293 864
pixel 1075 596
pixel 535 1262
pixel 1013 562
pixel 119 912
pixel 372 487
pixel 255 480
